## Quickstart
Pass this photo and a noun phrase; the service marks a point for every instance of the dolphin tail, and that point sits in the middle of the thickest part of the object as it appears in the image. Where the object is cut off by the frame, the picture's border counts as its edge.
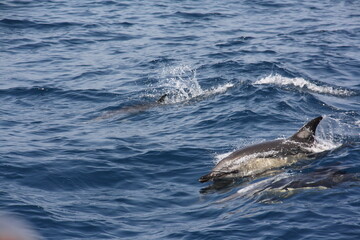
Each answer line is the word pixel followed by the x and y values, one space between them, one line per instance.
pixel 307 132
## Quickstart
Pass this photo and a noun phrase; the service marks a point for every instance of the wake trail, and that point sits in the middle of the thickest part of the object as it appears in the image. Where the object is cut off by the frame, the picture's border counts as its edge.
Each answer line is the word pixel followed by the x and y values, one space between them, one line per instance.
pixel 298 82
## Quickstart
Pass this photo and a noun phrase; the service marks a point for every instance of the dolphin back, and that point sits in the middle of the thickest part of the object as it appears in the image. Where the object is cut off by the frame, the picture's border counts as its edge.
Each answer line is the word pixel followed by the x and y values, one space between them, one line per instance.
pixel 307 132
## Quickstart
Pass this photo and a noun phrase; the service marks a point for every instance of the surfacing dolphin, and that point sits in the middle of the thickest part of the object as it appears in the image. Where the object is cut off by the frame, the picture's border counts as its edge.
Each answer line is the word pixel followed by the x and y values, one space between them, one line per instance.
pixel 259 158
pixel 134 108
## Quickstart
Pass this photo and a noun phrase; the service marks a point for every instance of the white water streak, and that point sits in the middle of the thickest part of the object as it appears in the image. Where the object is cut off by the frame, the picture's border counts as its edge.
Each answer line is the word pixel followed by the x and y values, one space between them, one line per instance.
pixel 277 79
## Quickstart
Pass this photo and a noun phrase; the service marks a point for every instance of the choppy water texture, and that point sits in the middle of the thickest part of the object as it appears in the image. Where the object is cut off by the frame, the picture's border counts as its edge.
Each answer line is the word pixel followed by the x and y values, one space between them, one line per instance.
pixel 87 152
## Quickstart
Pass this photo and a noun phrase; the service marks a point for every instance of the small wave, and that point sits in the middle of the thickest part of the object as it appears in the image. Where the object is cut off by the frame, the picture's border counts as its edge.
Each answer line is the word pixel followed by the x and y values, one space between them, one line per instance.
pixel 28 91
pixel 219 89
pixel 16 23
pixel 277 79
pixel 75 41
pixel 235 42
pixel 193 15
pixel 79 95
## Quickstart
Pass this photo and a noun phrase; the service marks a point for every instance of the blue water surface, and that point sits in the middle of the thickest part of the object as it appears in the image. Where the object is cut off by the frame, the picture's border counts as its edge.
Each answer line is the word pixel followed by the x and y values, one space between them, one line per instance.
pixel 87 152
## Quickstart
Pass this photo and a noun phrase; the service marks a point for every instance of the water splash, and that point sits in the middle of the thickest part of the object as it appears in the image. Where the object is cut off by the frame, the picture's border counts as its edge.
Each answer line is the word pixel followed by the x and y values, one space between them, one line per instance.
pixel 335 131
pixel 323 145
pixel 181 84
pixel 298 82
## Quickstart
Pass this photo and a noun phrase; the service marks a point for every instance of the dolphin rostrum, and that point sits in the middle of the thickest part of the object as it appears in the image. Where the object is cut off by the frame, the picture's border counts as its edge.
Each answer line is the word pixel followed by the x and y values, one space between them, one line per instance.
pixel 259 158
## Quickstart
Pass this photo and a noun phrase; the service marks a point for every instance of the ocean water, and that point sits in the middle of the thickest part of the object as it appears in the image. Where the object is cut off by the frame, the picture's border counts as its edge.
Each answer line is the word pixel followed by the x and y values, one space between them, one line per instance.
pixel 87 152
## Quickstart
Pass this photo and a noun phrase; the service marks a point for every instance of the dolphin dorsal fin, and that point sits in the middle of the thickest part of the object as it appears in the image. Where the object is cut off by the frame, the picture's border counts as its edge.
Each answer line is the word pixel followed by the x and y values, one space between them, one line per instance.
pixel 307 132
pixel 162 99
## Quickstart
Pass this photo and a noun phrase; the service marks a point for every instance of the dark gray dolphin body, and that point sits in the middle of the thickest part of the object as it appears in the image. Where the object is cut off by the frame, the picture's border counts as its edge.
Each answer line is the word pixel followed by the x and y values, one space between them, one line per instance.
pixel 259 158
pixel 286 185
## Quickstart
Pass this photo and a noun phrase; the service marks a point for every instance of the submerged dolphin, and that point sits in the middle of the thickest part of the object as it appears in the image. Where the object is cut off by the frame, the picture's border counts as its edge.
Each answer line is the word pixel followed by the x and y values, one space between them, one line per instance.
pixel 285 185
pixel 134 108
pixel 259 158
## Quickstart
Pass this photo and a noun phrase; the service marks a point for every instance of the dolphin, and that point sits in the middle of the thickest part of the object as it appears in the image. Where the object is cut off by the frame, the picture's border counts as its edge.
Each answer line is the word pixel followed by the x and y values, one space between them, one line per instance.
pixel 285 185
pixel 259 158
pixel 134 108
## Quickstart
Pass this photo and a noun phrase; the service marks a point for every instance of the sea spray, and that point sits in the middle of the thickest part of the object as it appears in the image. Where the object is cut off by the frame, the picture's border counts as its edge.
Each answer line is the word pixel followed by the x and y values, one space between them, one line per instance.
pixel 181 84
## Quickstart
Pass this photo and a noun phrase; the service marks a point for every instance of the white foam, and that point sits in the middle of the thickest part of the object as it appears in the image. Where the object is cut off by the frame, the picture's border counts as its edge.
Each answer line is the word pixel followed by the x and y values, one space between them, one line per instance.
pixel 218 89
pixel 357 123
pixel 277 79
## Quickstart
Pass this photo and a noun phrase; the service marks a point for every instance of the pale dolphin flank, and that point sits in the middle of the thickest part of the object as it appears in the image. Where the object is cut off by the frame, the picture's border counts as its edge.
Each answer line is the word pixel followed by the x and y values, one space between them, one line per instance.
pixel 259 158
